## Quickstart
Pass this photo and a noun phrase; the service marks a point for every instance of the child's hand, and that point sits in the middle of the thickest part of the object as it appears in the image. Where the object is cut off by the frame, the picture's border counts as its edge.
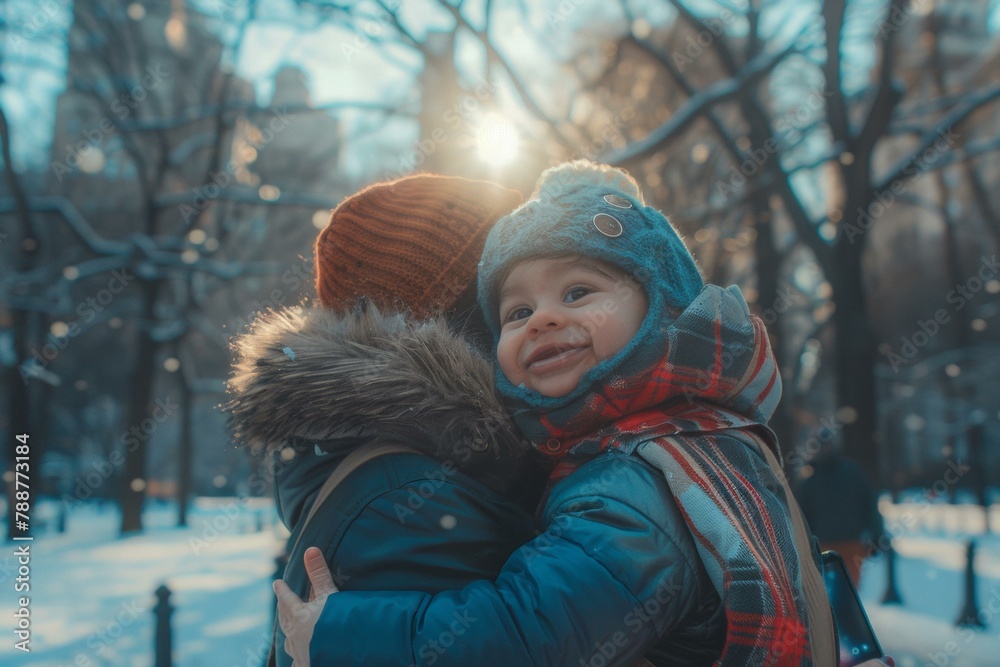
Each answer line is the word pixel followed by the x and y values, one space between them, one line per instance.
pixel 298 618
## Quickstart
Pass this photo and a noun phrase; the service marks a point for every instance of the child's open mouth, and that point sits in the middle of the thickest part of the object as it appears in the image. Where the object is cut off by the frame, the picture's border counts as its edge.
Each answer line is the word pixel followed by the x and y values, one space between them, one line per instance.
pixel 552 357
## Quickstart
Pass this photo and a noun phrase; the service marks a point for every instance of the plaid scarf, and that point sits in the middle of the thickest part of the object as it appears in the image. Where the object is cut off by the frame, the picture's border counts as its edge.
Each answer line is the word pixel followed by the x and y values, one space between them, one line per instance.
pixel 698 413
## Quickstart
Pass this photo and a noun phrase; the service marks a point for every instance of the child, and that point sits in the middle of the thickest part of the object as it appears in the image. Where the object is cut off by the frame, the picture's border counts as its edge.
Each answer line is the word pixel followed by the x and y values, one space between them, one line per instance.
pixel 591 362
pixel 651 391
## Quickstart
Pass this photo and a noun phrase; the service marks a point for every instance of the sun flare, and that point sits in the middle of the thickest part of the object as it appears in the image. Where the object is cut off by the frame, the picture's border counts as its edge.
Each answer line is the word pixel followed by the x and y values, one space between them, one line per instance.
pixel 497 140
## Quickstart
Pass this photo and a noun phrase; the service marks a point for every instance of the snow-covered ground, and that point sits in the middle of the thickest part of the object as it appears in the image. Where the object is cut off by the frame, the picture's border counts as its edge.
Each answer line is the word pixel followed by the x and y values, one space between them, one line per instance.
pixel 92 593
pixel 930 579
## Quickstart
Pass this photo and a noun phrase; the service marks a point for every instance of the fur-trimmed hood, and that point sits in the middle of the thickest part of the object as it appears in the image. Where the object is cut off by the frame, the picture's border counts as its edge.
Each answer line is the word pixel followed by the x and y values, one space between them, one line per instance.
pixel 314 374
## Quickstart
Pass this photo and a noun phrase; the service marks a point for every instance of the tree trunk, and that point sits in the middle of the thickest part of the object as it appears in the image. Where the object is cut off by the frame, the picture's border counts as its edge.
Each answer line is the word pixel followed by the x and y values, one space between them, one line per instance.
pixel 18 419
pixel 772 307
pixel 856 355
pixel 19 397
pixel 138 422
pixel 184 455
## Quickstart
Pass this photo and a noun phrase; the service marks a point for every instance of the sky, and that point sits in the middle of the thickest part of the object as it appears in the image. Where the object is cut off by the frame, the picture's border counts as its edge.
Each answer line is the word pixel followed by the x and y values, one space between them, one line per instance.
pixel 342 64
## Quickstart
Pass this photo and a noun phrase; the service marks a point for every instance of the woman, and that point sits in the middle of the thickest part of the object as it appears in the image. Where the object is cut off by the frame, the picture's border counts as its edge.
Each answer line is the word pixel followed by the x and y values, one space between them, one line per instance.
pixel 564 599
pixel 312 385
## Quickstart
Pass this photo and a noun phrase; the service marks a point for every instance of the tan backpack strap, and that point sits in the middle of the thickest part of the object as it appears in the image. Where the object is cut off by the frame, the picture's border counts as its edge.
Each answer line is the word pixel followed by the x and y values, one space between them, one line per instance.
pixel 822 627
pixel 351 462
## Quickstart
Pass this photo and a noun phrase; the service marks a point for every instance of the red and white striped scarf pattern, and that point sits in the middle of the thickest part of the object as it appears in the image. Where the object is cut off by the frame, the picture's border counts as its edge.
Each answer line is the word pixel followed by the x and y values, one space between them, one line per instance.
pixel 698 413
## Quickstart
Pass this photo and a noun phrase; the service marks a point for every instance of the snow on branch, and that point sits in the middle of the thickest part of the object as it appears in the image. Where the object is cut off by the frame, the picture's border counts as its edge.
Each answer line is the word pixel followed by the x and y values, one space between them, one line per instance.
pixel 698 104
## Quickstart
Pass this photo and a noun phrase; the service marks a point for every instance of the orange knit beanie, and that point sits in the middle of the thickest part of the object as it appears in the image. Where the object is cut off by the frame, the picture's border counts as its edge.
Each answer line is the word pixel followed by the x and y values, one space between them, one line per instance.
pixel 408 245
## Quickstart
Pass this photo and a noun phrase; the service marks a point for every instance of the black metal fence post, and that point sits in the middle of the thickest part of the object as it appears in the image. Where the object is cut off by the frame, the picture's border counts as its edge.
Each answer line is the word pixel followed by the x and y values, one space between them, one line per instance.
pixel 163 639
pixel 891 595
pixel 970 616
pixel 61 519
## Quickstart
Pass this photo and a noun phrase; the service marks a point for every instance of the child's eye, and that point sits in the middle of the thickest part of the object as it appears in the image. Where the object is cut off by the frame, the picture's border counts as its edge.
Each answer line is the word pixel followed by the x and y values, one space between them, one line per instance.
pixel 520 313
pixel 577 293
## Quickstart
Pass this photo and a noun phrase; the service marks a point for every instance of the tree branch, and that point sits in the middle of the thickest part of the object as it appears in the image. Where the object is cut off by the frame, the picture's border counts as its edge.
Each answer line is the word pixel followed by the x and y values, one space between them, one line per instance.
pixel 493 56
pixel 245 195
pixel 836 107
pixel 697 105
pixel 910 165
pixel 728 142
pixel 760 131
pixel 718 44
pixel 74 220
pixel 887 96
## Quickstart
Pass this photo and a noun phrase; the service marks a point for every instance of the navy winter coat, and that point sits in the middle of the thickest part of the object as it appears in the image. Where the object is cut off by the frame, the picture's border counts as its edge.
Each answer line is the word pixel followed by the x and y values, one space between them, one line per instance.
pixel 604 585
pixel 310 386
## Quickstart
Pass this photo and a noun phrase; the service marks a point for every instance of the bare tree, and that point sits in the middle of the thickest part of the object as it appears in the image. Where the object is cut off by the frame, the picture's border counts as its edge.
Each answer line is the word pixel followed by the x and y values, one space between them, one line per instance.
pixel 169 140
pixel 19 404
pixel 767 151
pixel 701 87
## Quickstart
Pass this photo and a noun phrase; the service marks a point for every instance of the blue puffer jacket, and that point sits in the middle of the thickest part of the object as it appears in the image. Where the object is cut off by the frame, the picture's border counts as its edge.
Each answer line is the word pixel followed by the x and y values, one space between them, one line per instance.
pixel 310 386
pixel 614 577
pixel 401 521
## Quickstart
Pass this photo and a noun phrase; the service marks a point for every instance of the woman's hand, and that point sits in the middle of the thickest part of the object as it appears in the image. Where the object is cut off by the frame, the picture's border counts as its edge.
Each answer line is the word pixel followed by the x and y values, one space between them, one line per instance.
pixel 298 618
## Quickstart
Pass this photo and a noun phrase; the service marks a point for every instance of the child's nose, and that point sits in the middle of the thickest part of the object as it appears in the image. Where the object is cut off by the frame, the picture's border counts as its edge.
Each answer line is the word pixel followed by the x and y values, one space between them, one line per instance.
pixel 545 318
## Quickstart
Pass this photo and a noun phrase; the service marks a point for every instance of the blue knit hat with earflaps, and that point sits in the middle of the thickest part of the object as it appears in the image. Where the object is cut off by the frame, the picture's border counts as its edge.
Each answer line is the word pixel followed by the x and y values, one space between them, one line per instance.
pixel 597 211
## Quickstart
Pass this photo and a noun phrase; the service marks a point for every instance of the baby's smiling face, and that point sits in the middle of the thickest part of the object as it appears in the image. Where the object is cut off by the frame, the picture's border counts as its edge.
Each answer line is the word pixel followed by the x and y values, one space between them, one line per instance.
pixel 562 316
